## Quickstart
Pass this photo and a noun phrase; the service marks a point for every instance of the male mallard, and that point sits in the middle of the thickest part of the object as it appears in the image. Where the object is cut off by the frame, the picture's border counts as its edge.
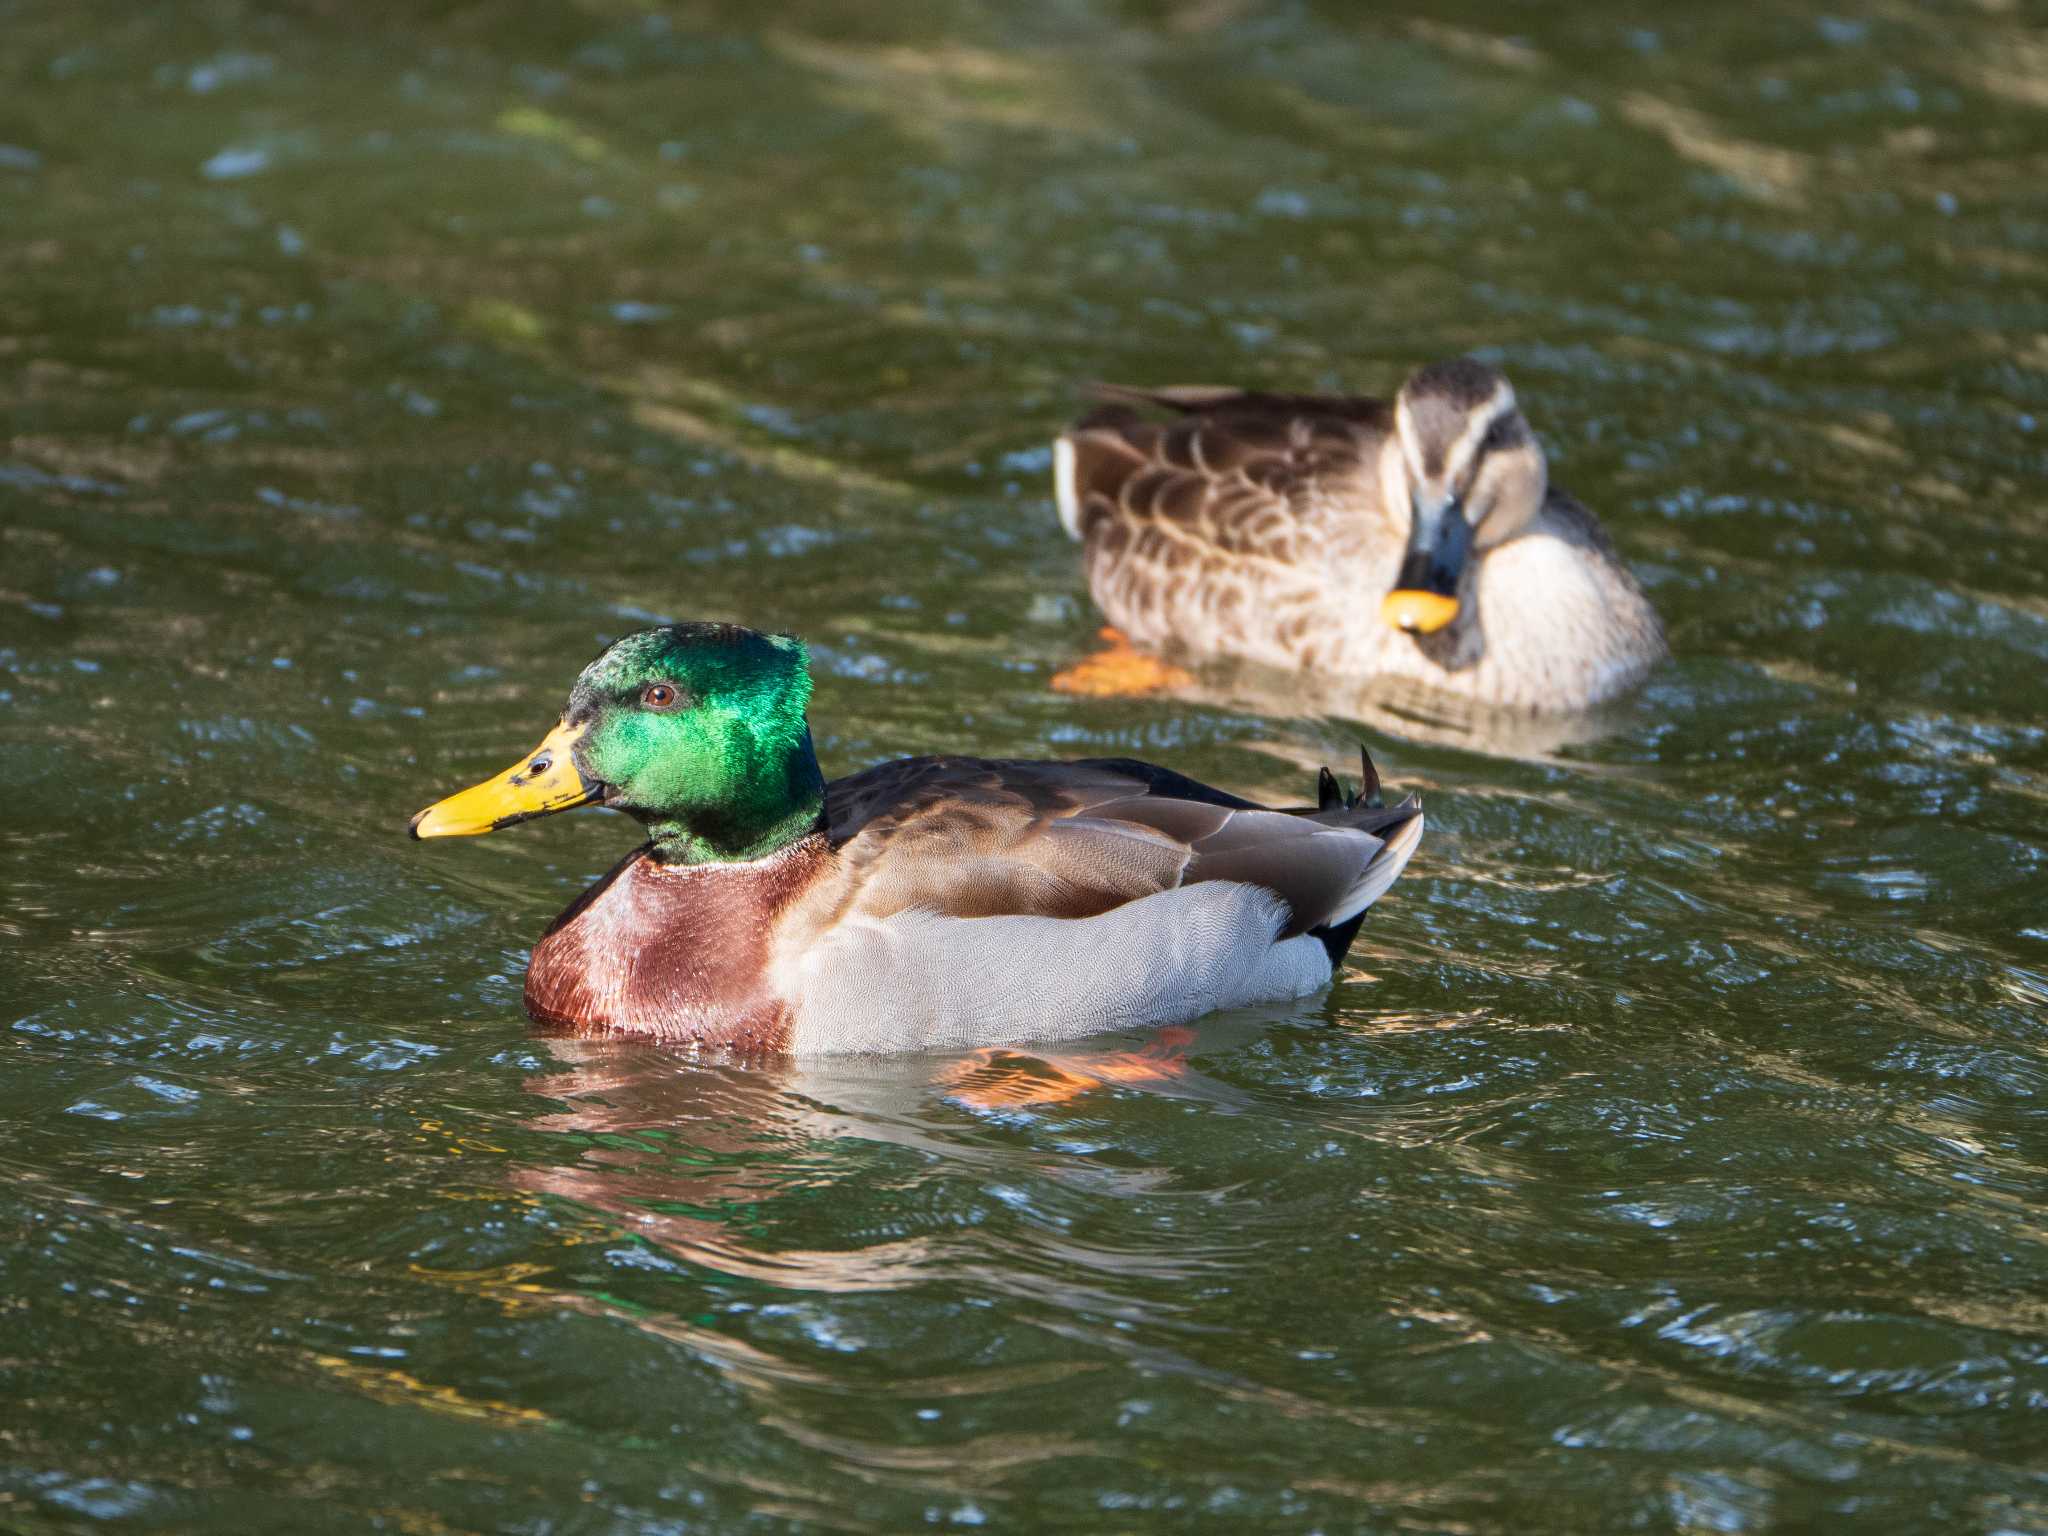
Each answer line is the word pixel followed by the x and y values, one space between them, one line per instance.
pixel 929 902
pixel 1418 540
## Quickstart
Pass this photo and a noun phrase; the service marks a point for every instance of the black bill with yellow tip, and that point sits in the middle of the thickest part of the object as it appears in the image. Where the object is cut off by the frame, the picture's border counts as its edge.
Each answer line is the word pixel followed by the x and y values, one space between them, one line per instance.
pixel 1425 595
pixel 543 782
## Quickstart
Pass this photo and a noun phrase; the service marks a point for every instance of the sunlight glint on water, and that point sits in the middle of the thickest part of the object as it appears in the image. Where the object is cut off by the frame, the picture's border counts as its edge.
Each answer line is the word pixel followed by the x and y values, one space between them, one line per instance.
pixel 1669 1157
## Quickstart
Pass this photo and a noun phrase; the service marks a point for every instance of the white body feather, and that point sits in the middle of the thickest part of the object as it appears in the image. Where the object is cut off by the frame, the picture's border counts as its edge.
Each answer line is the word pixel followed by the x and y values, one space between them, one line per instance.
pixel 919 981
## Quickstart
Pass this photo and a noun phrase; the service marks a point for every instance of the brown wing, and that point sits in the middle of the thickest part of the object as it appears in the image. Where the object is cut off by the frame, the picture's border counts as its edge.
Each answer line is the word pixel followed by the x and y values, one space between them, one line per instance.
pixel 978 837
pixel 1244 476
pixel 1192 526
pixel 966 836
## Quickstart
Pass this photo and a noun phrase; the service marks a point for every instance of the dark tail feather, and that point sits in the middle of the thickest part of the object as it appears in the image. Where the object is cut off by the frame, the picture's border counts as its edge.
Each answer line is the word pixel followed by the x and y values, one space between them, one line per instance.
pixel 1337 940
pixel 1330 796
pixel 1366 810
pixel 1368 781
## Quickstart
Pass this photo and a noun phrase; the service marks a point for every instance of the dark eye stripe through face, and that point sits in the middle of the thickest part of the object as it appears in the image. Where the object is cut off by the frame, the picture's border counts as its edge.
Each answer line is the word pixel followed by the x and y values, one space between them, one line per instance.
pixel 1506 431
pixel 1445 415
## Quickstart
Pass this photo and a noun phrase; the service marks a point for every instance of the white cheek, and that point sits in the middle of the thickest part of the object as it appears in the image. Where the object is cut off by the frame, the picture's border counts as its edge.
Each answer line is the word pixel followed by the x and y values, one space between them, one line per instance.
pixel 1504 499
pixel 1483 506
pixel 1394 489
pixel 1410 445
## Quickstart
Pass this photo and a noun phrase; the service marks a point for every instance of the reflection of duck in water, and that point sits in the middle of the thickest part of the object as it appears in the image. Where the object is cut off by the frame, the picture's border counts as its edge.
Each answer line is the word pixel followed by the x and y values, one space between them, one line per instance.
pixel 1335 706
pixel 1418 541
pixel 923 904
pixel 710 1257
pixel 672 1142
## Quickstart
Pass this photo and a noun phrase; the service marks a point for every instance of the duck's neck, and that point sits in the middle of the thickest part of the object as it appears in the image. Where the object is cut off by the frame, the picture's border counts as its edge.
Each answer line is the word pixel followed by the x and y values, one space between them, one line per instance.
pixel 765 811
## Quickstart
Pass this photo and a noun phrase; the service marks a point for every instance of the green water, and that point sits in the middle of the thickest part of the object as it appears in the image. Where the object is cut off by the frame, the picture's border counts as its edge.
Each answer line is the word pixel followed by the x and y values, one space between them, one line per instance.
pixel 1672 1157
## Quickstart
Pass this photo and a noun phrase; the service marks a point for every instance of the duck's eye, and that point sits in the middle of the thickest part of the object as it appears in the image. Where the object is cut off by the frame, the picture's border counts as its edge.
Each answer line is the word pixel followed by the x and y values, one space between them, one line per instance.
pixel 659 696
pixel 1499 435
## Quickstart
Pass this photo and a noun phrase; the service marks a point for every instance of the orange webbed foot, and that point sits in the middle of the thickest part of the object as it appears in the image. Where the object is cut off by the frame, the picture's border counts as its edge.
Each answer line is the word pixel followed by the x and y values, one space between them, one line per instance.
pixel 1003 1079
pixel 996 1079
pixel 1121 671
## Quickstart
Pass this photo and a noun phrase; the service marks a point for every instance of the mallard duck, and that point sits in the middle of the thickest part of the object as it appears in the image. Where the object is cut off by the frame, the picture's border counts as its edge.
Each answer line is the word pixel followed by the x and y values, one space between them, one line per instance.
pixel 1417 540
pixel 926 903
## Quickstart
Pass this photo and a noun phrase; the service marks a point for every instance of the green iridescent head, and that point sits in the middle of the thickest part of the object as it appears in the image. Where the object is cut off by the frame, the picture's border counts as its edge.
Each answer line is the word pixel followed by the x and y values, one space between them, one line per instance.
pixel 696 730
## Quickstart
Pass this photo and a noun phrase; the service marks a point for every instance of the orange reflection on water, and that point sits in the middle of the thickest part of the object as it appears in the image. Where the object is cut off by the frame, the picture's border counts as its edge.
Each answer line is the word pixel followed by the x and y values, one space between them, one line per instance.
pixel 999 1078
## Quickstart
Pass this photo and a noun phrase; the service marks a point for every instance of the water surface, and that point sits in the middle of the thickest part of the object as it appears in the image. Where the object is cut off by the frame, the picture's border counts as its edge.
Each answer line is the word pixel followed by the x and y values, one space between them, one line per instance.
pixel 1670 1157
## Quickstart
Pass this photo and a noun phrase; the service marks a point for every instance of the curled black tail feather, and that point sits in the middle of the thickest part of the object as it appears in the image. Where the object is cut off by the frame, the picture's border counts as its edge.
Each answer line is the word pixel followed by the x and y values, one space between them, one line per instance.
pixel 1330 795
pixel 1368 781
pixel 1368 811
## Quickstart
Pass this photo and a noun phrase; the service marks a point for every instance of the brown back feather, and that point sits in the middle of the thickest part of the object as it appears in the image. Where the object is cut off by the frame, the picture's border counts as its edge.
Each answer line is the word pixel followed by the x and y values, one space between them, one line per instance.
pixel 1239 472
pixel 978 837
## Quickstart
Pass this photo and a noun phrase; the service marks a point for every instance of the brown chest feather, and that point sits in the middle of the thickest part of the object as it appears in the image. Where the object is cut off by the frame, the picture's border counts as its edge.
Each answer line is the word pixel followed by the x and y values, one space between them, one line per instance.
pixel 681 953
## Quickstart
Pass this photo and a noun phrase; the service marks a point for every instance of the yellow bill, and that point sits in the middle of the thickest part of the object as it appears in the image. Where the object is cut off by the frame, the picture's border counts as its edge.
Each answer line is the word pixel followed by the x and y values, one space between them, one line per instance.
pixel 546 780
pixel 1420 613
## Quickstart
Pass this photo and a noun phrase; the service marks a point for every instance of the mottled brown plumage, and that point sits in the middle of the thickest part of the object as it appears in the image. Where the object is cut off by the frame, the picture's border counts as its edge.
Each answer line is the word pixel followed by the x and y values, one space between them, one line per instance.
pixel 1269 528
